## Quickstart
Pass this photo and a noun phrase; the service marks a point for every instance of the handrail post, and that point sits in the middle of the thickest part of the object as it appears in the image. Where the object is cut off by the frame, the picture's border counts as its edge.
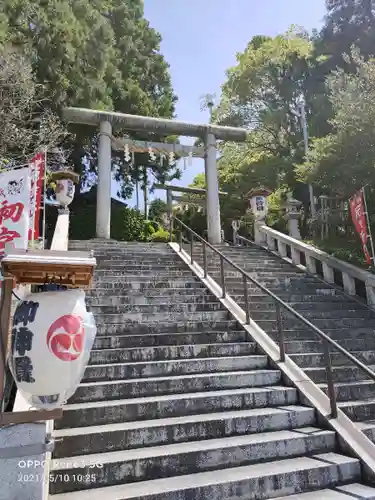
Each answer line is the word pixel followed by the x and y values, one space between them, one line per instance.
pixel 222 276
pixel 180 238
pixel 205 260
pixel 171 229
pixel 330 383
pixel 191 247
pixel 280 331
pixel 246 295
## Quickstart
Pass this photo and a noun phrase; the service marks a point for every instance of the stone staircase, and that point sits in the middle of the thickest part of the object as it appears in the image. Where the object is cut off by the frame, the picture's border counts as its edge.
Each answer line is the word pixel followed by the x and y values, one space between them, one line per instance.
pixel 344 319
pixel 177 403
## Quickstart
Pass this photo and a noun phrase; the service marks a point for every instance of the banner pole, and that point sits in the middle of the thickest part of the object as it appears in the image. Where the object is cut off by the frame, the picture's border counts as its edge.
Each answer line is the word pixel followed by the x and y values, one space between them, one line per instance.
pixel 44 197
pixel 35 188
pixel 368 226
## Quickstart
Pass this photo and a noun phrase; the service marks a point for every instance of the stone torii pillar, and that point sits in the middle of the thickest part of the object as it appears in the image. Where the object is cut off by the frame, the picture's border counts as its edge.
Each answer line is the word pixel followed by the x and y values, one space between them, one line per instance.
pixel 103 205
pixel 106 120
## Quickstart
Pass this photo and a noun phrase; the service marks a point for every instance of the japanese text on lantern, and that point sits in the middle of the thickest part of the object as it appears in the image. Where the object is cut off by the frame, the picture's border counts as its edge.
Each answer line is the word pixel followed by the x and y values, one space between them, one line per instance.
pixel 22 340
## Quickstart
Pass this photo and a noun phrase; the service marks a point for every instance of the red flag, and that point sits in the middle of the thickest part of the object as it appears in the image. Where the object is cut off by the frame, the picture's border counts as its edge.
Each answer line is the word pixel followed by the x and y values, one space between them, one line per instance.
pixel 358 212
pixel 37 167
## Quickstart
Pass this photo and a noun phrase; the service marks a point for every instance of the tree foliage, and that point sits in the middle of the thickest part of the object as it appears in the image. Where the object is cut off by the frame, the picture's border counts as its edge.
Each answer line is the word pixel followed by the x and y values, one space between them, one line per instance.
pixel 344 160
pixel 157 209
pixel 26 123
pixel 94 54
pixel 263 92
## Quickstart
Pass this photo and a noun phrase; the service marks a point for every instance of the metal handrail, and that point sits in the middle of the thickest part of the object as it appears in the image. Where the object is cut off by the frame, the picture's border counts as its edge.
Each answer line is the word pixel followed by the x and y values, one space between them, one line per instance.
pixel 327 341
pixel 306 271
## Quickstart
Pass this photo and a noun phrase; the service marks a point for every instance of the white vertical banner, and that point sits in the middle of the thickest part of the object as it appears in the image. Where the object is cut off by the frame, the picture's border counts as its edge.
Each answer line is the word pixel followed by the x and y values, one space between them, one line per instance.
pixel 15 188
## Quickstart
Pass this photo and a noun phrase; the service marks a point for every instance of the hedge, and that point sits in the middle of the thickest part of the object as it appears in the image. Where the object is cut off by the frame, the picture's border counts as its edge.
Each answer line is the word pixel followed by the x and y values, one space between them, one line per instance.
pixel 127 224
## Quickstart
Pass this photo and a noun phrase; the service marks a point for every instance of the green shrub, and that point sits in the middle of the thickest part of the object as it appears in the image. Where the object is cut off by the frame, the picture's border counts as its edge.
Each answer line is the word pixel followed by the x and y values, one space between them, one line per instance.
pixel 161 236
pixel 127 224
pixel 148 228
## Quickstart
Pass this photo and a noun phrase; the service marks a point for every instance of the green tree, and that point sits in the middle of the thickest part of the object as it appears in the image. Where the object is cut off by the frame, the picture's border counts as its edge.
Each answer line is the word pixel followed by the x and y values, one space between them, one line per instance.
pixel 348 22
pixel 344 160
pixel 26 124
pixel 157 209
pixel 262 93
pixel 94 54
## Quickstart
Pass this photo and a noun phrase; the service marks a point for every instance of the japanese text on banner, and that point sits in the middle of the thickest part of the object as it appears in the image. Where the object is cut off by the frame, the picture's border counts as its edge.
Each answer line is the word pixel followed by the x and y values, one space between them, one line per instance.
pixel 14 208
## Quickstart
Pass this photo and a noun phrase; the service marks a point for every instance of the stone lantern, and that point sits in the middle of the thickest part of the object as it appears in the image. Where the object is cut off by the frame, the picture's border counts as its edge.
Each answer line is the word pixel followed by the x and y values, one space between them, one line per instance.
pixel 292 216
pixel 259 209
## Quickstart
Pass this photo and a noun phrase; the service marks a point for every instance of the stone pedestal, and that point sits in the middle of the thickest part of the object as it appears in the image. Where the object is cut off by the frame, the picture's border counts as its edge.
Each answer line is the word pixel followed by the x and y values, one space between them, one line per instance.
pixel 293 216
pixel 259 237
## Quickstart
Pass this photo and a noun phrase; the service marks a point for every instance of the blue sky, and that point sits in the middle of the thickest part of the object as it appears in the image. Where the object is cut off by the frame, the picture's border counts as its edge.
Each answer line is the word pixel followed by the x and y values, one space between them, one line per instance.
pixel 201 39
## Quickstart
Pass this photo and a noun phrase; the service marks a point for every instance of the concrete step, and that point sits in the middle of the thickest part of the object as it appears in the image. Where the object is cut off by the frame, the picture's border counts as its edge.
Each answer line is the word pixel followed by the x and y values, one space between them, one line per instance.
pixel 317 314
pixel 359 411
pixel 104 356
pixel 308 345
pixel 328 294
pixel 354 491
pixel 360 336
pixel 132 254
pixel 133 265
pixel 319 306
pixel 324 324
pixel 177 326
pixel 158 280
pixel 306 360
pixel 186 307
pixel 136 252
pixel 346 373
pixel 145 283
pixel 304 307
pixel 369 429
pixel 193 457
pixel 141 299
pixel 128 274
pixel 176 405
pixel 106 322
pixel 152 369
pixel 107 245
pixel 235 286
pixel 258 274
pixel 119 389
pixel 352 391
pixel 161 431
pixel 288 280
pixel 168 339
pixel 118 292
pixel 254 265
pixel 252 482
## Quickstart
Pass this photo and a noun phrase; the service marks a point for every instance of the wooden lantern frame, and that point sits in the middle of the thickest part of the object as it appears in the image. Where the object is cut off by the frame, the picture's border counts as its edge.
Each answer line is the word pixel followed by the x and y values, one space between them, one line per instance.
pixel 64 174
pixel 37 267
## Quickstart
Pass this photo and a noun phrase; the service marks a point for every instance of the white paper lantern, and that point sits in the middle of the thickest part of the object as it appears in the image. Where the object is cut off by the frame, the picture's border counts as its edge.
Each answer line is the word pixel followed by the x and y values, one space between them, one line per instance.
pixel 52 337
pixel 65 190
pixel 259 207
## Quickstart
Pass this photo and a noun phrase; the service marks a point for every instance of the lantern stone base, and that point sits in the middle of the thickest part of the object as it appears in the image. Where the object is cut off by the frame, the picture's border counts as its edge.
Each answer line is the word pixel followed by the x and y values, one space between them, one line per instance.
pixel 259 236
pixel 293 227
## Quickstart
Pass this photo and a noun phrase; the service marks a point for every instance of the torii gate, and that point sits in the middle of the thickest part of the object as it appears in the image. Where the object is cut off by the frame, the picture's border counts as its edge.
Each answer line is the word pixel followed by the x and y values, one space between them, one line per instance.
pixel 106 120
pixel 169 188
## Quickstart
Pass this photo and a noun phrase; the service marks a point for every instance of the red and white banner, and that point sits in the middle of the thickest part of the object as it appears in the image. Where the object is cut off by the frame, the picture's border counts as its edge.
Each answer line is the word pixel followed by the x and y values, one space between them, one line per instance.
pixel 37 168
pixel 358 213
pixel 14 208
